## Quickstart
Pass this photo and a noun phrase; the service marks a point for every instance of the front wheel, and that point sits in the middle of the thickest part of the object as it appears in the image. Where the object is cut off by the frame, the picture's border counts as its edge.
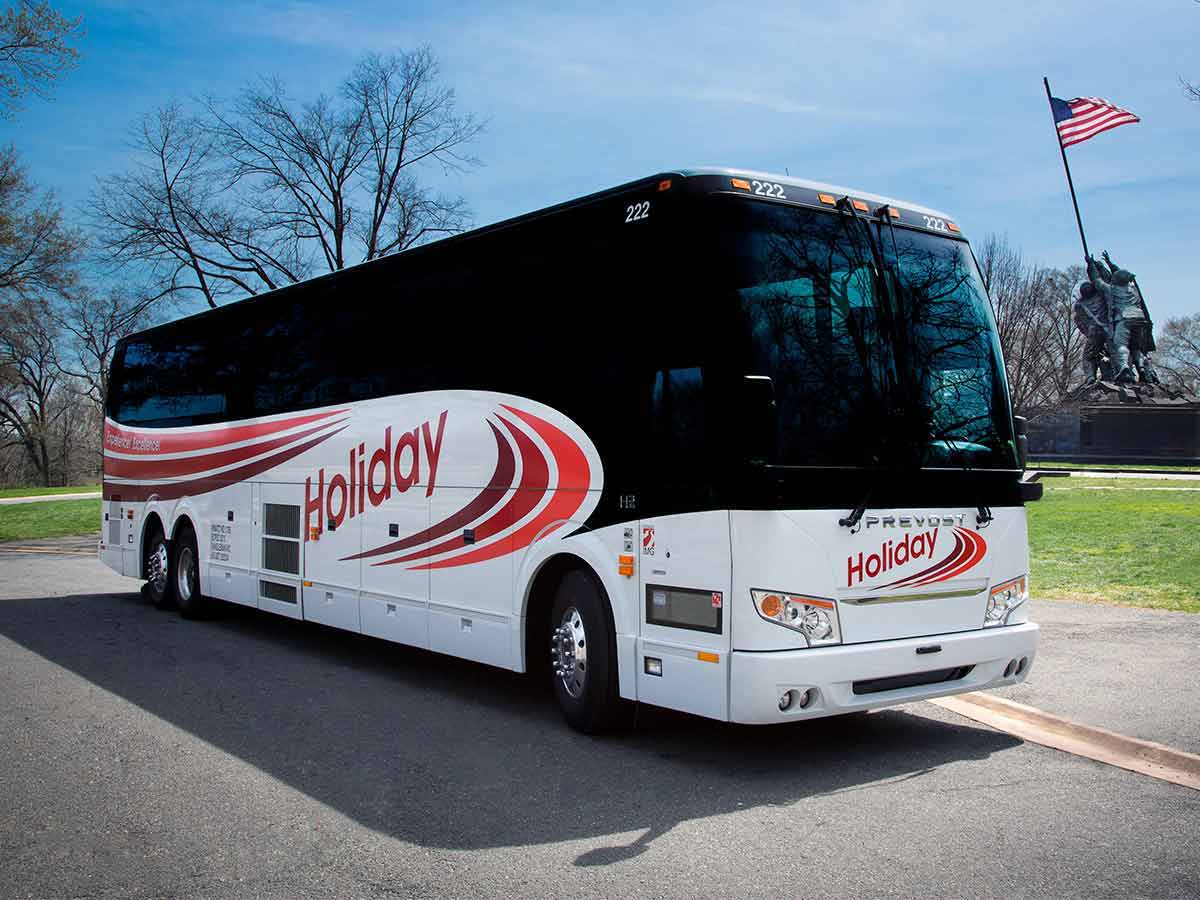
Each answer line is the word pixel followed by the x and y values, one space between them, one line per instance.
pixel 583 655
pixel 185 576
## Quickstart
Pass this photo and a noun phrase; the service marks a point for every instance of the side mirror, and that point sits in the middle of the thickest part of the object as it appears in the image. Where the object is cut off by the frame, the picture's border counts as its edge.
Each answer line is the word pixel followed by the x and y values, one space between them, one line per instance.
pixel 758 410
pixel 1021 432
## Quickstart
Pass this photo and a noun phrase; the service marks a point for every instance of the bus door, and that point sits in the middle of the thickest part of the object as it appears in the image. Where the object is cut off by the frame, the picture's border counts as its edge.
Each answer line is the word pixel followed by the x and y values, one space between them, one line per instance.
pixel 279 548
pixel 685 570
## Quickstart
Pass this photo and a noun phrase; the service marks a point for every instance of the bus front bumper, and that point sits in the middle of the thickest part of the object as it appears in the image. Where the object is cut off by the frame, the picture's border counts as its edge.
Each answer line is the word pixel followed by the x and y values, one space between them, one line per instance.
pixel 828 681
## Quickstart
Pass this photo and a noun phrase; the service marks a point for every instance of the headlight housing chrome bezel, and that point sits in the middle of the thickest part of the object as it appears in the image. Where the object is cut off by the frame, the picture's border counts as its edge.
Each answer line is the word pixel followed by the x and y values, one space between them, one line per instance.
pixel 814 618
pixel 1003 599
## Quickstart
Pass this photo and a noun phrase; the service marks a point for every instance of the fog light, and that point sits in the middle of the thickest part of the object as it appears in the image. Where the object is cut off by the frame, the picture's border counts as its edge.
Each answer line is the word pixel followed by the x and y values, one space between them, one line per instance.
pixel 1022 664
pixel 653 666
pixel 1010 668
pixel 806 698
pixel 785 702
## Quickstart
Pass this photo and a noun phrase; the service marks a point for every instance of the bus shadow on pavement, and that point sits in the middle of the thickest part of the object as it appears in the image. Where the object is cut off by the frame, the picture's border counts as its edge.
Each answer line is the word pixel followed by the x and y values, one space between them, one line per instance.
pixel 451 754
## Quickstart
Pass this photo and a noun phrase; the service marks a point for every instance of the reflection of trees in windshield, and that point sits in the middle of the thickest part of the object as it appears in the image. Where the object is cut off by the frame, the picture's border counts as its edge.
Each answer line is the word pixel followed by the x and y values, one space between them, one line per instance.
pixel 903 372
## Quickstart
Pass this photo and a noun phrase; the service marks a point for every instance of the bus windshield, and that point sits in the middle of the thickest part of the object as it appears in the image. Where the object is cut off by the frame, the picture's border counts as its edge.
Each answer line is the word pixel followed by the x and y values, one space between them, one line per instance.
pixel 878 341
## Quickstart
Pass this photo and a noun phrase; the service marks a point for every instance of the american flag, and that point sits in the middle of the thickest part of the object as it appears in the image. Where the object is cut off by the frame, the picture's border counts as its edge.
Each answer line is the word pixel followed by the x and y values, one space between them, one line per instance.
pixel 1085 117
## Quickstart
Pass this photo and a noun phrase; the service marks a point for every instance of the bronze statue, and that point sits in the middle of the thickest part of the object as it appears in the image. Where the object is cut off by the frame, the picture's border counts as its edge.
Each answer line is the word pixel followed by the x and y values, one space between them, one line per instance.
pixel 1129 328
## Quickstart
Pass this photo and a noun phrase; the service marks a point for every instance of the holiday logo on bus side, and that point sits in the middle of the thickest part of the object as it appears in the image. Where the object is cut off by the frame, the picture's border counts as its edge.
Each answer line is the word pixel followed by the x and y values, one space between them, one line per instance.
pixel 546 477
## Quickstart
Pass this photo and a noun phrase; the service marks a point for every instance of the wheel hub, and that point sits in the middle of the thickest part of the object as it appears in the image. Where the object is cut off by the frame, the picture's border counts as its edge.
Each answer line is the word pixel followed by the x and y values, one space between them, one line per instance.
pixel 157 567
pixel 184 580
pixel 568 652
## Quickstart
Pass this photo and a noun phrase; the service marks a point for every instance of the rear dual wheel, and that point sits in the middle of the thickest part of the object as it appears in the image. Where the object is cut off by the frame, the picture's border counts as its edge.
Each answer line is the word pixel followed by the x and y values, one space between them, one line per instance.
pixel 185 575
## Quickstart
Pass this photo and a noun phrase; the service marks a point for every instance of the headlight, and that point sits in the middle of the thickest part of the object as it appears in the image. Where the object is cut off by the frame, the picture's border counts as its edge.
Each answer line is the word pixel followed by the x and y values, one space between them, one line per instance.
pixel 814 618
pixel 1002 600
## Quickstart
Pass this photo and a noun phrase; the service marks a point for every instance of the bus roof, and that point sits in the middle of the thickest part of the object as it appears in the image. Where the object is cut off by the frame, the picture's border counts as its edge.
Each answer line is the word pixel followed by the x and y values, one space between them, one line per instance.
pixel 821 187
pixel 700 174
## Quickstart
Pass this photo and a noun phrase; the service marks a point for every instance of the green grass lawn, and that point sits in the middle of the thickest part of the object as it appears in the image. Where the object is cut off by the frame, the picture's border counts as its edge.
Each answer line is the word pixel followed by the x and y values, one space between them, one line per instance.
pixel 1135 542
pixel 43 491
pixel 1083 467
pixel 57 518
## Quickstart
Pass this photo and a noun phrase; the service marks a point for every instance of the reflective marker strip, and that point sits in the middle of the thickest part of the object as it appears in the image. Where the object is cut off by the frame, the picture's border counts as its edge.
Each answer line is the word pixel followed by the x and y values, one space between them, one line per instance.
pixel 708 657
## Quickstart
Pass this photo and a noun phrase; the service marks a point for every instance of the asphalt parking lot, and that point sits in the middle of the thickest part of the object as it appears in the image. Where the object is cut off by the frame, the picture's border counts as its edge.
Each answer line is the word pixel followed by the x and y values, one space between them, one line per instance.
pixel 143 755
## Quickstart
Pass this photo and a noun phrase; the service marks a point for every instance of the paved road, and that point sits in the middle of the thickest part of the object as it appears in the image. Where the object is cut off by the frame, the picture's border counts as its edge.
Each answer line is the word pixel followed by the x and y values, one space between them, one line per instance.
pixel 1133 671
pixel 147 756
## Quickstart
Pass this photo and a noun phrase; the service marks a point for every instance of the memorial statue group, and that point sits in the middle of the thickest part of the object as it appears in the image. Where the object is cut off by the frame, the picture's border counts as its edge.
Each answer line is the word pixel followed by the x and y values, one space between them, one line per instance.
pixel 1111 314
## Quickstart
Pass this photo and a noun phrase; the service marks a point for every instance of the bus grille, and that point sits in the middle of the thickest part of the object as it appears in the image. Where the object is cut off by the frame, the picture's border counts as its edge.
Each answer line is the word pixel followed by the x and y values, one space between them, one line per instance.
pixel 896 682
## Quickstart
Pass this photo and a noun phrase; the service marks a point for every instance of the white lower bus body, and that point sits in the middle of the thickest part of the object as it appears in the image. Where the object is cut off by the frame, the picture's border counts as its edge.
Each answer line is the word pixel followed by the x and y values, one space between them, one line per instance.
pixel 451 511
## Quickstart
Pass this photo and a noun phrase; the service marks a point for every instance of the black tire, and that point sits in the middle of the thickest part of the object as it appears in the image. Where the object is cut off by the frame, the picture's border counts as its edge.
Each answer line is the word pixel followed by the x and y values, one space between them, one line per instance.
pixel 185 575
pixel 588 697
pixel 156 567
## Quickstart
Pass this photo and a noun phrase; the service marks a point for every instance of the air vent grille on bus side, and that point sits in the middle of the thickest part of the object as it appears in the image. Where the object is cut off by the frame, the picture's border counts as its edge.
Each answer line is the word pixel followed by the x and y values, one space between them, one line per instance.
pixel 281 593
pixel 280 555
pixel 281 520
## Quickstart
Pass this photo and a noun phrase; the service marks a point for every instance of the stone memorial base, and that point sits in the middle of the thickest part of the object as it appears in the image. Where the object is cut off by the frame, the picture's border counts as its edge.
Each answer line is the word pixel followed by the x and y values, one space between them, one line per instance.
pixel 1132 423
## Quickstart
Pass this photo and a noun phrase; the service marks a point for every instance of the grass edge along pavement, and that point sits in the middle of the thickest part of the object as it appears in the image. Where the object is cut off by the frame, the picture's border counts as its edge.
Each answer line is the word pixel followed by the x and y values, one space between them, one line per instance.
pixel 61 518
pixel 1132 543
pixel 6 493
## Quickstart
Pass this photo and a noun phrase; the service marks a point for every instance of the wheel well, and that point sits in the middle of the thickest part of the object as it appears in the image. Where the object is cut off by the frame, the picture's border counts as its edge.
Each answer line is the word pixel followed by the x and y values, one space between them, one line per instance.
pixel 541 599
pixel 184 524
pixel 152 522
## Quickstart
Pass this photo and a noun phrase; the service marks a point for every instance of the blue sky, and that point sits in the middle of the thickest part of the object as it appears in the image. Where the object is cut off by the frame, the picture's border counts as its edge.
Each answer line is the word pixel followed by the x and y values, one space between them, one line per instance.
pixel 937 103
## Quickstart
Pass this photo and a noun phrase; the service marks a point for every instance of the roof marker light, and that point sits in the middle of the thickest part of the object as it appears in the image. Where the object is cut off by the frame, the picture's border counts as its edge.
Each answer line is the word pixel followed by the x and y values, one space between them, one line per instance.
pixel 827 198
pixel 861 206
pixel 665 184
pixel 740 183
pixel 952 227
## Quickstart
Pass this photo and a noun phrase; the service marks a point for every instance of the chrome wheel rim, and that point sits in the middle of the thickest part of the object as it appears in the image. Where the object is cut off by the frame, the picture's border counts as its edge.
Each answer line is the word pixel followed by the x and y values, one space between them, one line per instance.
pixel 568 652
pixel 157 567
pixel 184 583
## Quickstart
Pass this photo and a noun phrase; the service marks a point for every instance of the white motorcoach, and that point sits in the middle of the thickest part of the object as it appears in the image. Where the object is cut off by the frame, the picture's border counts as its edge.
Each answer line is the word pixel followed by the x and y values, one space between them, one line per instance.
pixel 729 443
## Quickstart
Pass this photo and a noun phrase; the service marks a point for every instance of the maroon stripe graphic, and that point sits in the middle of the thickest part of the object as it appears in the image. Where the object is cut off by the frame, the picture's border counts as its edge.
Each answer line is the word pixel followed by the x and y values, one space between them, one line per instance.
pixel 175 490
pixel 572 468
pixel 502 479
pixel 155 441
pixel 955 555
pixel 978 549
pixel 194 465
pixel 535 477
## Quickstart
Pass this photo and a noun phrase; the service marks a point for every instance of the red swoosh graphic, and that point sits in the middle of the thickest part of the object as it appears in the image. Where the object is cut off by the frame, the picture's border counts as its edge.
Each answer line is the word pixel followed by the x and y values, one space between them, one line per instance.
pixel 194 465
pixel 951 559
pixel 501 481
pixel 207 440
pixel 175 490
pixel 976 554
pixel 572 469
pixel 535 476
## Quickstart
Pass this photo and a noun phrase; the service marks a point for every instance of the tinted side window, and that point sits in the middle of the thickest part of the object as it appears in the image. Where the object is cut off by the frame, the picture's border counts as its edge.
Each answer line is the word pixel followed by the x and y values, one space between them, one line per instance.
pixel 179 376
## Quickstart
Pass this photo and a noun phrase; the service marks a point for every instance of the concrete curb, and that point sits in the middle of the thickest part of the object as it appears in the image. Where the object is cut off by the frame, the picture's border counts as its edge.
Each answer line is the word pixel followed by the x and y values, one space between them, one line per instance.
pixel 1033 725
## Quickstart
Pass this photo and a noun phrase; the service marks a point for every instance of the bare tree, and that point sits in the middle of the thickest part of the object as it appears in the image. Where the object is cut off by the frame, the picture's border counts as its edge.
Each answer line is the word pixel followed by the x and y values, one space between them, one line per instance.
pixel 1178 356
pixel 1018 290
pixel 31 385
pixel 266 191
pixel 35 50
pixel 92 323
pixel 38 252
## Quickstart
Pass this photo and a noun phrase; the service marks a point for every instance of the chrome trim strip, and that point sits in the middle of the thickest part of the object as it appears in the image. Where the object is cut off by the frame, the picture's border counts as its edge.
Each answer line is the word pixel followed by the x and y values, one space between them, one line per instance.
pixel 901 598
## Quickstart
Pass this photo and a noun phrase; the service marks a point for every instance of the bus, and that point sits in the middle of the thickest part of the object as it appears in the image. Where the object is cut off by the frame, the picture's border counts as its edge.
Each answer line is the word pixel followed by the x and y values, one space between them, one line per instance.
pixel 725 442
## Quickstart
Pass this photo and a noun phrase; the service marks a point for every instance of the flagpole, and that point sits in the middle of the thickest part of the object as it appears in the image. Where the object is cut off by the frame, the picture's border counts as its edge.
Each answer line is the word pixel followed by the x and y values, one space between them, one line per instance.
pixel 1063 150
